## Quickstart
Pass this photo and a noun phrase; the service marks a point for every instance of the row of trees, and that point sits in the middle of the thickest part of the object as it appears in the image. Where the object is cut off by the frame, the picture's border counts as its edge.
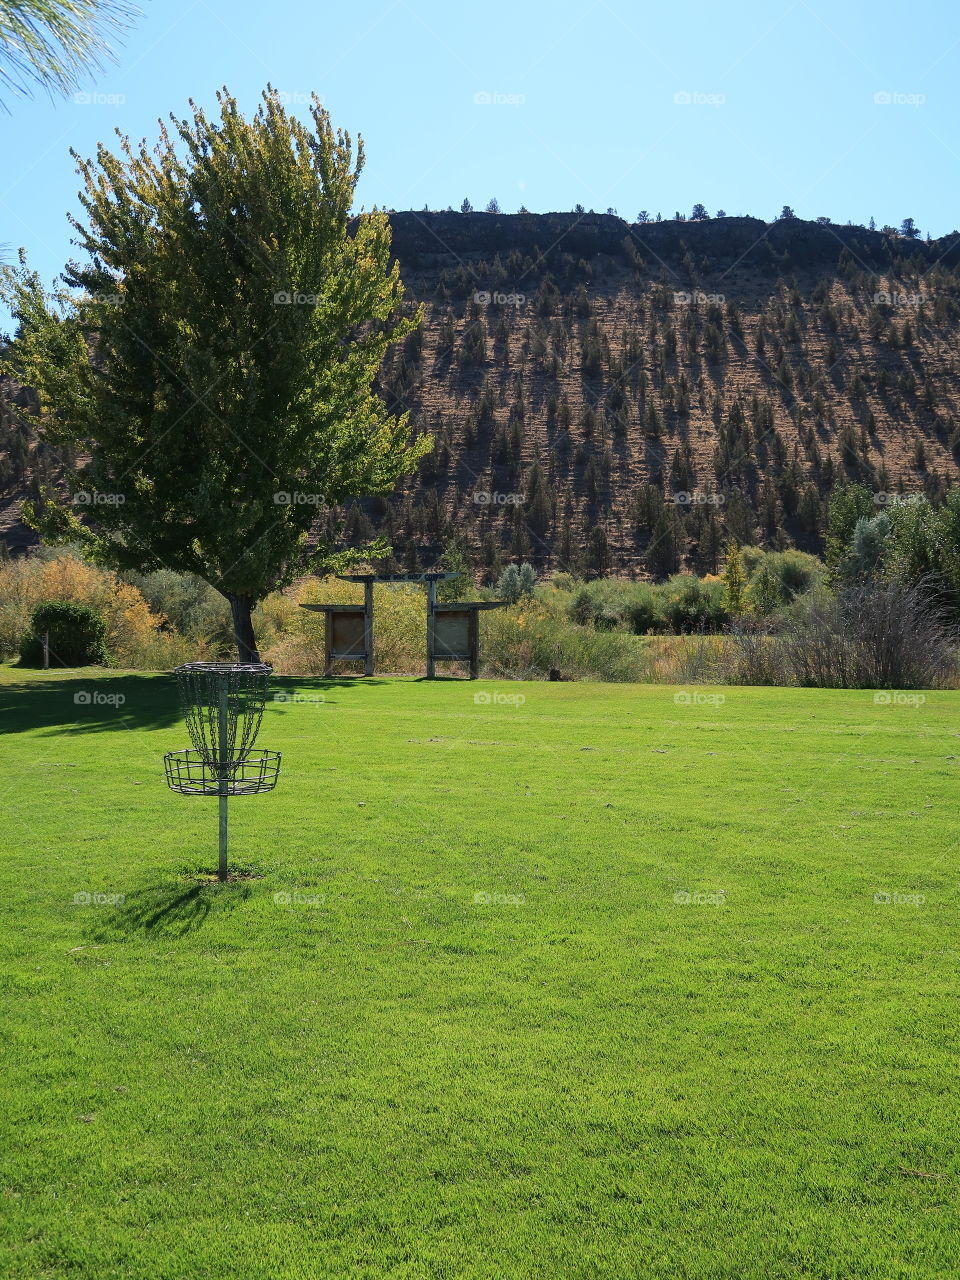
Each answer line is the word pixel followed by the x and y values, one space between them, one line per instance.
pixel 699 213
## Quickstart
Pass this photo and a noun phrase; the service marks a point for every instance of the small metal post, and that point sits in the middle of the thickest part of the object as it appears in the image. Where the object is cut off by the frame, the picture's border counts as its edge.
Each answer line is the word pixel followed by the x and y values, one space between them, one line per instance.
pixel 328 643
pixel 473 631
pixel 431 617
pixel 223 770
pixel 46 651
pixel 368 627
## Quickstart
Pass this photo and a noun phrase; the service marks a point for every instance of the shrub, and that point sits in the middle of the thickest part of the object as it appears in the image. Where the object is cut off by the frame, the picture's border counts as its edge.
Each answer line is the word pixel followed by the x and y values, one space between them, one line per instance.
pixel 533 637
pixel 694 604
pixel 644 609
pixel 189 604
pixel 871 636
pixel 516 581
pixel 75 633
pixel 611 604
pixel 134 634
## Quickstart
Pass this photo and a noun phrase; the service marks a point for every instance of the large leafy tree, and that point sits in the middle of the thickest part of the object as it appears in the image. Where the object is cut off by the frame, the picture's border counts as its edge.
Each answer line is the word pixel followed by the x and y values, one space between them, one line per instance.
pixel 216 359
pixel 49 44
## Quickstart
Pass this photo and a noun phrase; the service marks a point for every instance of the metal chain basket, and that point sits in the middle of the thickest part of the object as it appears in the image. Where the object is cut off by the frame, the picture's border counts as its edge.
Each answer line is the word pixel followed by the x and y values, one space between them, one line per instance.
pixel 223 706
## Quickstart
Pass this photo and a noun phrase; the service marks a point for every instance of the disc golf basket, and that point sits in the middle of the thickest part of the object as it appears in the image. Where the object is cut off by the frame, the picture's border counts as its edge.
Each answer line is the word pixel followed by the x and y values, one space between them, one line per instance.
pixel 223 706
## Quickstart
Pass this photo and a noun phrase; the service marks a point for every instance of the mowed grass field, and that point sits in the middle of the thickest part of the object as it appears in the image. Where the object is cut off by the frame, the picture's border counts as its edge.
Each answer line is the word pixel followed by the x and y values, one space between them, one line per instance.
pixel 596 983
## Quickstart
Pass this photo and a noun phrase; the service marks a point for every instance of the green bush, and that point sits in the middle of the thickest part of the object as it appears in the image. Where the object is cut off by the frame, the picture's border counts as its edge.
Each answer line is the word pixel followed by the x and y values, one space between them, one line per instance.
pixel 694 604
pixel 612 604
pixel 644 609
pixel 777 578
pixel 76 636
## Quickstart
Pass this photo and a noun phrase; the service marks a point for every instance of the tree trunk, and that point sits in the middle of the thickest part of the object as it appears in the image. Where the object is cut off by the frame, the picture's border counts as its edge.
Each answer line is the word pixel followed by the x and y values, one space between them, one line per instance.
pixel 241 607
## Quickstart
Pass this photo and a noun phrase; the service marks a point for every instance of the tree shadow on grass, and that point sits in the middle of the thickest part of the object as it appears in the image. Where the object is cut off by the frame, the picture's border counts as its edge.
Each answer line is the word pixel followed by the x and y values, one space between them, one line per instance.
pixel 175 908
pixel 96 701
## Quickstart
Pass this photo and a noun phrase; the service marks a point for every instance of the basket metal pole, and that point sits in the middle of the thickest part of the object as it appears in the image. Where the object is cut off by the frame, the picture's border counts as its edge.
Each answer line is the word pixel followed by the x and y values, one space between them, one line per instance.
pixel 223 773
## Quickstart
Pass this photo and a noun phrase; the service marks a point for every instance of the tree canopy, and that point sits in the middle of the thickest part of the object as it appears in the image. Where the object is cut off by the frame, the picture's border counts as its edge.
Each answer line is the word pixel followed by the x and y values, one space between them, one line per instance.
pixel 215 359
pixel 49 44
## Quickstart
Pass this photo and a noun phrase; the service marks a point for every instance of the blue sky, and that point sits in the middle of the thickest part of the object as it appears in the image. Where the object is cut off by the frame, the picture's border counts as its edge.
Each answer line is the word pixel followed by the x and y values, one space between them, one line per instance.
pixel 846 109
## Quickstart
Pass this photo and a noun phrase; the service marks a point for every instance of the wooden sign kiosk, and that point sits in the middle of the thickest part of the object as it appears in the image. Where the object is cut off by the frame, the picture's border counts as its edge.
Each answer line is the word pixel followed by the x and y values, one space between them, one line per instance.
pixel 453 629
pixel 348 630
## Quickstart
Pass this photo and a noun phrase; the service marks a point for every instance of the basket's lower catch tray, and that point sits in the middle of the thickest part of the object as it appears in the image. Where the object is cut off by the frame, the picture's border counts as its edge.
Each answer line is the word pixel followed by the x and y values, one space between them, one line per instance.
pixel 190 773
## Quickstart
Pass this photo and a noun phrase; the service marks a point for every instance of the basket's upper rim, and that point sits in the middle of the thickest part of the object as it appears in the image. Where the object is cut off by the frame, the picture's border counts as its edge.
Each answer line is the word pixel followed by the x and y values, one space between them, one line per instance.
pixel 224 668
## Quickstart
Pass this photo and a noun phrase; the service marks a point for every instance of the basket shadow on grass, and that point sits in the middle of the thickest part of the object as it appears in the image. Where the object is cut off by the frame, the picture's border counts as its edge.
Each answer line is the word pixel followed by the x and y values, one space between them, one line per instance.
pixel 174 908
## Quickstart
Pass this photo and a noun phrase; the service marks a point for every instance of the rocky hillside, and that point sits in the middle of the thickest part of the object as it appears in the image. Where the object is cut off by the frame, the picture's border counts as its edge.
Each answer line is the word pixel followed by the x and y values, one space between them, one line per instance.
pixel 624 397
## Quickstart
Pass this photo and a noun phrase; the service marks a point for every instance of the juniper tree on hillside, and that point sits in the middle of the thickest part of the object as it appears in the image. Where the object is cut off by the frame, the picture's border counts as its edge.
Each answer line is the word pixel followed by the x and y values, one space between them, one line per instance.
pixel 217 364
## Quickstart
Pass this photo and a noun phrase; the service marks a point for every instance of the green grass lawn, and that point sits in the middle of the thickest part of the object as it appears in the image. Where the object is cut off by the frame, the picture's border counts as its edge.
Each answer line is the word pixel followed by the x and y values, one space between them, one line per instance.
pixel 596 985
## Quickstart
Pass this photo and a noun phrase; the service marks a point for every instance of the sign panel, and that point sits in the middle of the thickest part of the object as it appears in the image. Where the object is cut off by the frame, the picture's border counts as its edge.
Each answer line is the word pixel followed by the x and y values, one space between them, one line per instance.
pixel 451 634
pixel 348 634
